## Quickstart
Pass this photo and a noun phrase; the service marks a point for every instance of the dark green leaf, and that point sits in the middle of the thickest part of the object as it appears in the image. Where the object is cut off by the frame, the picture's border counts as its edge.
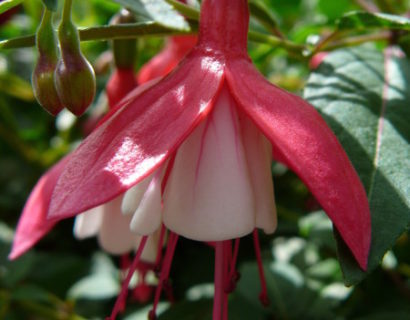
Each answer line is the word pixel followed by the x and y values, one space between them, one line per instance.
pixel 189 310
pixel 366 20
pixel 386 316
pixel 156 10
pixel 102 283
pixel 8 4
pixel 364 97
pixel 51 4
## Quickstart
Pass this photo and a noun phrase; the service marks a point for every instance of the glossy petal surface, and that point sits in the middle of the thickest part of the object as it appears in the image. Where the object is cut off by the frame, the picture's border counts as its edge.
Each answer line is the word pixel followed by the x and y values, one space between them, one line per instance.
pixel 115 235
pixel 136 139
pixel 259 158
pixel 147 217
pixel 87 224
pixel 209 194
pixel 308 147
pixel 132 198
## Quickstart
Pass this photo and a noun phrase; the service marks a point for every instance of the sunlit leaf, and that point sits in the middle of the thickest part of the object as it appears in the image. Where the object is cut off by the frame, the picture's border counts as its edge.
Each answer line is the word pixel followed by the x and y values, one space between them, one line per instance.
pixel 365 20
pixel 363 95
pixel 156 10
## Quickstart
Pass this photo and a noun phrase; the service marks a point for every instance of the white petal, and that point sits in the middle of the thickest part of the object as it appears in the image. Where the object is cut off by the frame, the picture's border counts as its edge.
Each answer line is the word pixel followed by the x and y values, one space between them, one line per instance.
pixel 209 195
pixel 115 235
pixel 133 196
pixel 149 254
pixel 147 217
pixel 259 155
pixel 88 223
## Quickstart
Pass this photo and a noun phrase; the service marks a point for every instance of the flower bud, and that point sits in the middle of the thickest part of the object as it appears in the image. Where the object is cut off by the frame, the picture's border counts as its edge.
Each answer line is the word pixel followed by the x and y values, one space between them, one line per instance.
pixel 43 75
pixel 74 75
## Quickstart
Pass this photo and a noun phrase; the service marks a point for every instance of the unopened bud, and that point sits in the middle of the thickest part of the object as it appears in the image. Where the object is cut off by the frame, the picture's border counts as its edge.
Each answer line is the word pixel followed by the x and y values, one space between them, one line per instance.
pixel 74 75
pixel 43 74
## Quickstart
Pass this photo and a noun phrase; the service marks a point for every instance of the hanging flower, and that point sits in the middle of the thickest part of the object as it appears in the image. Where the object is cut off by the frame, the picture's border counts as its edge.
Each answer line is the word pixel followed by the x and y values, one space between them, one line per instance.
pixel 193 152
pixel 212 110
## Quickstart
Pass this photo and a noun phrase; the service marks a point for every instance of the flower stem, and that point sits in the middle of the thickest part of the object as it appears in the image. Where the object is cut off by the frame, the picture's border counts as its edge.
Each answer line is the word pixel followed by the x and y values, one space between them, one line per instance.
pixel 67 10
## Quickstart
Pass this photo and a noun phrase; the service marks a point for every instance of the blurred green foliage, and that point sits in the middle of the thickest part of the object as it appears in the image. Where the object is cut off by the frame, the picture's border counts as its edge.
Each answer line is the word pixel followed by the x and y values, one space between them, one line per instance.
pixel 67 279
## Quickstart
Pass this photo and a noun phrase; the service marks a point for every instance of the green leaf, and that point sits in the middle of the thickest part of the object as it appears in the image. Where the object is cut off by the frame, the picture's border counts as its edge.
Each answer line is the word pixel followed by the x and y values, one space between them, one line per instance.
pixel 8 4
pixel 51 5
pixel 363 95
pixel 366 20
pixel 290 293
pixel 102 283
pixel 156 10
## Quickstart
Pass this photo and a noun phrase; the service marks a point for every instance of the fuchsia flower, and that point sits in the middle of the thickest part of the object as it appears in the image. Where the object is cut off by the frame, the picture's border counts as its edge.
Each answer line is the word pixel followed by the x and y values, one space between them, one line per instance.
pixel 193 153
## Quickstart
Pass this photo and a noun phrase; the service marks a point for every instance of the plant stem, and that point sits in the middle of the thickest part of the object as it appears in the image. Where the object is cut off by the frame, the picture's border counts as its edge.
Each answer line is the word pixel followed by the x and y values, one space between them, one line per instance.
pixel 354 41
pixel 67 10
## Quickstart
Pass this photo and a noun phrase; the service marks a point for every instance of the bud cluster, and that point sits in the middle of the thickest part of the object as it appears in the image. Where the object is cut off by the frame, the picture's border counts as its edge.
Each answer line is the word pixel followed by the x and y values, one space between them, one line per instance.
pixel 66 81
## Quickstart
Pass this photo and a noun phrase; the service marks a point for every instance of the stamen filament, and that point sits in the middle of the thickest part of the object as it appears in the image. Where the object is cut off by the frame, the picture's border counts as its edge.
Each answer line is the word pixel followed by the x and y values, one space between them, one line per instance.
pixel 124 289
pixel 263 296
pixel 166 267
pixel 160 245
pixel 219 281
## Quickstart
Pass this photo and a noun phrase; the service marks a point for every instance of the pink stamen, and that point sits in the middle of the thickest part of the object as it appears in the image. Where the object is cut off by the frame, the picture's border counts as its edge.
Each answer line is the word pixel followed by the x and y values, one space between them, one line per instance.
pixel 163 277
pixel 263 296
pixel 233 275
pixel 219 281
pixel 227 260
pixel 124 289
pixel 158 260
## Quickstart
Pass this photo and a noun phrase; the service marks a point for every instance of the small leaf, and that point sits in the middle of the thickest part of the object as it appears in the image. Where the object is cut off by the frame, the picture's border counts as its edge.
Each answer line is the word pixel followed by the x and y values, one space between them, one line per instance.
pixel 102 283
pixel 156 10
pixel 366 20
pixel 8 4
pixel 363 95
pixel 51 5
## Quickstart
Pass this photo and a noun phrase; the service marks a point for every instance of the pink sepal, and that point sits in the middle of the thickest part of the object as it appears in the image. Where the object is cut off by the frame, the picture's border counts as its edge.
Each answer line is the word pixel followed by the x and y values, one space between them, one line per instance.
pixel 138 138
pixel 304 142
pixel 33 224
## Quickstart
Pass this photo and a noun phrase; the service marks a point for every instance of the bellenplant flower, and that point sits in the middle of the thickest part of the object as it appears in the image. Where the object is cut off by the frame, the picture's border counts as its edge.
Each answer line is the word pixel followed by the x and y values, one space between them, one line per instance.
pixel 193 153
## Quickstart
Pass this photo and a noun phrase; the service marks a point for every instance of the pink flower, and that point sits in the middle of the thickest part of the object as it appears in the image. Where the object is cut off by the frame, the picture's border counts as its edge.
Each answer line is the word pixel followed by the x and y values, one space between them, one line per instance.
pixel 204 118
pixel 193 153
